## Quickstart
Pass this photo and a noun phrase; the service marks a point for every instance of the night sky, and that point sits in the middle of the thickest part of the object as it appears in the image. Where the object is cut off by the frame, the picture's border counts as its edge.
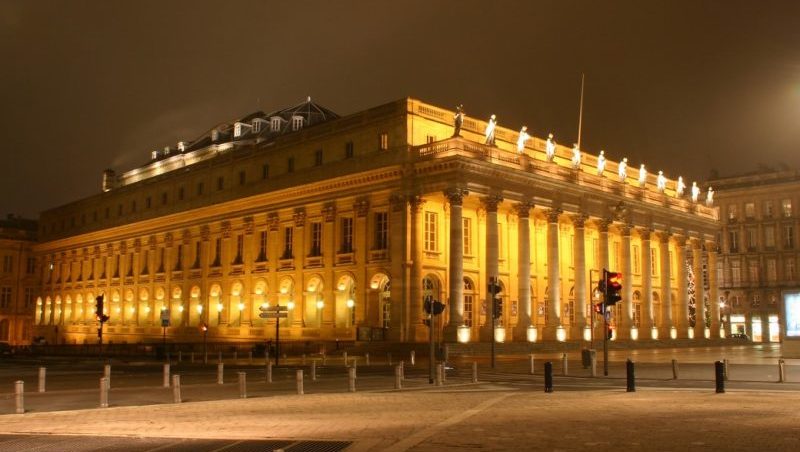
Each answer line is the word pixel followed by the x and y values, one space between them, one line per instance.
pixel 684 86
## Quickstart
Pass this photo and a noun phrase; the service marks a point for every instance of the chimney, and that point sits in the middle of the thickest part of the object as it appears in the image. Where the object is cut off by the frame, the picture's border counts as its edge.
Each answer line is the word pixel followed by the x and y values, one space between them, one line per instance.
pixel 109 180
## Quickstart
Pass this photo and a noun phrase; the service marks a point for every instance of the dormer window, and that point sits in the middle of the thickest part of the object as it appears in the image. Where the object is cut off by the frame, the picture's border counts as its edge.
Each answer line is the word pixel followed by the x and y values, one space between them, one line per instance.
pixel 181 146
pixel 154 155
pixel 214 135
pixel 256 126
pixel 166 151
pixel 297 123
pixel 275 124
pixel 237 130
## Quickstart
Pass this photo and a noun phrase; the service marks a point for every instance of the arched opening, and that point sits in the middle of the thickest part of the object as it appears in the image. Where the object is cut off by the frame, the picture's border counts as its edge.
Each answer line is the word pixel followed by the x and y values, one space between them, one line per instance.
pixel 215 306
pixel 432 289
pixel 111 307
pixel 176 307
pixel 314 302
pixel 568 315
pixel 286 298
pixel 236 304
pixel 259 300
pixel 143 309
pixel 637 309
pixel 379 313
pixel 198 311
pixel 345 301
pixel 58 312
pixel 657 309
pixel 469 302
pixel 68 311
pixel 128 308
pixel 39 310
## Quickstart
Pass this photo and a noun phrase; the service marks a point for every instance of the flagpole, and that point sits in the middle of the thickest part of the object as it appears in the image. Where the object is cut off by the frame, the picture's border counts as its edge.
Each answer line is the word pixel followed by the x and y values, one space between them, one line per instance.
pixel 580 113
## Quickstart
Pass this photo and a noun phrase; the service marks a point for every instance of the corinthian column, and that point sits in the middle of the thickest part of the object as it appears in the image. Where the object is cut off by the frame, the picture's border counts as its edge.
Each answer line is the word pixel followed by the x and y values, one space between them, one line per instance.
pixel 647 285
pixel 713 296
pixel 681 276
pixel 699 291
pixel 625 322
pixel 553 278
pixel 490 203
pixel 665 326
pixel 456 281
pixel 524 272
pixel 581 300
pixel 416 317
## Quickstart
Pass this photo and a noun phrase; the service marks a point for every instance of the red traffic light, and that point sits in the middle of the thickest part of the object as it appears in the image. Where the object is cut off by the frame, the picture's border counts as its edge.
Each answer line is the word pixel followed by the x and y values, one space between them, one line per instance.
pixel 614 281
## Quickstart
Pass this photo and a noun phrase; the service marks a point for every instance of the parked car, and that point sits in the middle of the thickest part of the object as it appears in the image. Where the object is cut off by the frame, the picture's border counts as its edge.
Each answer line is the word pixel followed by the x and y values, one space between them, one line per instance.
pixel 740 336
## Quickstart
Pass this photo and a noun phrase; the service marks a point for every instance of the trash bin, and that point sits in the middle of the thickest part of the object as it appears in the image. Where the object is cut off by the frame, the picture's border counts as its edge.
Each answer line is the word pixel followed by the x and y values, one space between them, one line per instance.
pixel 586 357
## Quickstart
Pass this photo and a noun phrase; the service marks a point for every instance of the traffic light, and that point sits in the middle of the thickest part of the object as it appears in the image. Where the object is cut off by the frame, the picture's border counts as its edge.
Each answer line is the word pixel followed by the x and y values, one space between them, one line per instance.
pixel 498 308
pixel 99 309
pixel 203 327
pixel 598 308
pixel 613 286
pixel 493 287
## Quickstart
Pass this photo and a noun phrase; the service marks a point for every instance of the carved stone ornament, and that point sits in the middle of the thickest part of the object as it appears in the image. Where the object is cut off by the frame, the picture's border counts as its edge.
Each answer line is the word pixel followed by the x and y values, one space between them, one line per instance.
pixel 397 201
pixel 416 202
pixel 168 239
pixel 579 220
pixel 186 237
pixel 225 228
pixel 491 202
pixel 361 206
pixel 455 195
pixel 151 242
pixel 299 217
pixel 273 221
pixel 205 232
pixel 524 209
pixel 553 214
pixel 248 225
pixel 329 212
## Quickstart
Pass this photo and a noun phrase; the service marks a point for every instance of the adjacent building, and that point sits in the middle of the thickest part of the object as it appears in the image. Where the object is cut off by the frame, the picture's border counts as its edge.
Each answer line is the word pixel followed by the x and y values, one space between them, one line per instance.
pixel 18 280
pixel 758 262
pixel 352 222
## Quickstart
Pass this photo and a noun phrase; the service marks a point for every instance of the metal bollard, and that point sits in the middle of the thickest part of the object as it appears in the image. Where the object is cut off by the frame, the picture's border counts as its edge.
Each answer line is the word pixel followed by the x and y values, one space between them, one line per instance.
pixel 166 375
pixel 389 358
pixel 474 371
pixel 355 366
pixel 242 385
pixel 439 375
pixel 725 368
pixel 220 373
pixel 42 376
pixel 631 376
pixel 720 376
pixel 531 364
pixel 299 379
pixel 548 377
pixel 674 369
pixel 366 359
pixel 107 374
pixel 313 370
pixel 19 396
pixel 351 376
pixel 398 381
pixel 413 358
pixel 781 371
pixel 564 364
pixel 344 358
pixel 176 388
pixel 593 364
pixel 269 372
pixel 104 392
pixel 402 365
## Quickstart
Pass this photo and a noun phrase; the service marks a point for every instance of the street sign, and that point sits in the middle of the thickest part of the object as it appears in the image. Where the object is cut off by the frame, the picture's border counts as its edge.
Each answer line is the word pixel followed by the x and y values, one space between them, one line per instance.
pixel 164 318
pixel 273 308
pixel 164 323
pixel 274 315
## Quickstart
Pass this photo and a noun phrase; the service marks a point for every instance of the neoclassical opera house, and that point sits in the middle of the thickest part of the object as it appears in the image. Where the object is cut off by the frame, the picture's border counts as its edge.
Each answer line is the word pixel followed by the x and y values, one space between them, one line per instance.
pixel 352 221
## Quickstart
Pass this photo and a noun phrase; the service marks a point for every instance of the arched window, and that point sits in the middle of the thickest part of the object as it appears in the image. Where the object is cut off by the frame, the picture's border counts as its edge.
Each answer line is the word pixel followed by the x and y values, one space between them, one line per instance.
pixel 469 301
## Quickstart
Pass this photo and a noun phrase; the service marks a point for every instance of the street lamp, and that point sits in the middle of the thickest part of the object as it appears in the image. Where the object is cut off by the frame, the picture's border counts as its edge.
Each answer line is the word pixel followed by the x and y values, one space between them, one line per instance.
pixel 722 319
pixel 351 304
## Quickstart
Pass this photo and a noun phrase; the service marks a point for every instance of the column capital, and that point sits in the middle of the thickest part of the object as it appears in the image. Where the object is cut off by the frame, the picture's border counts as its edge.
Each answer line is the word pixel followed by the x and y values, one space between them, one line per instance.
pixel 416 202
pixel 225 228
pixel 625 229
pixel 361 206
pixel 579 220
pixel 712 246
pixel 645 233
pixel 491 202
pixel 696 242
pixel 455 195
pixel 299 217
pixel 664 236
pixel 329 212
pixel 249 225
pixel 524 209
pixel 604 223
pixel 552 215
pixel 273 221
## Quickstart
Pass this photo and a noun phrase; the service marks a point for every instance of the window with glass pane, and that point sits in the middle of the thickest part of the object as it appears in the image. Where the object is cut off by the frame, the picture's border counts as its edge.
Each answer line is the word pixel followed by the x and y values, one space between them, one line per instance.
pixel 431 225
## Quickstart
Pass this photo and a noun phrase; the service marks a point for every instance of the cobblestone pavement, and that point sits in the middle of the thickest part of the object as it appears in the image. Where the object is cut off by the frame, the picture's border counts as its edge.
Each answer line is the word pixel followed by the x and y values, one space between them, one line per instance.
pixel 463 416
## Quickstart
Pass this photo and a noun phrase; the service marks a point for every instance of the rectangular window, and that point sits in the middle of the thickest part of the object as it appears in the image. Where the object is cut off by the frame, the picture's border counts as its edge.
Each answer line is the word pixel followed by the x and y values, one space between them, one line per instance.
pixel 750 210
pixel 180 193
pixel 431 227
pixel 179 259
pixel 164 199
pixel 430 139
pixel 220 183
pixel 786 207
pixel 262 247
pixel 288 233
pixel 348 150
pixel 316 239
pixel 789 269
pixel 5 297
pixel 752 238
pixel 133 206
pixel 381 230
pixel 752 270
pixel 769 236
pixel 736 273
pixel 653 262
pixel 768 209
pixel 733 212
pixel 788 236
pixel 217 253
pixel 637 265
pixel 29 297
pixel 318 157
pixel 148 202
pixel 242 177
pixel 30 265
pixel 733 241
pixel 265 171
pixel 347 235
pixel 384 141
pixel 199 188
pixel 8 264
pixel 239 250
pixel 290 165
pixel 467 236
pixel 772 272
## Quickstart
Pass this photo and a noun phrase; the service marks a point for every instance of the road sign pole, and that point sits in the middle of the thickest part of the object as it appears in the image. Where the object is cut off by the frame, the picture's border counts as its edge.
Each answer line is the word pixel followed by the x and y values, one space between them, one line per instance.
pixel 605 323
pixel 277 338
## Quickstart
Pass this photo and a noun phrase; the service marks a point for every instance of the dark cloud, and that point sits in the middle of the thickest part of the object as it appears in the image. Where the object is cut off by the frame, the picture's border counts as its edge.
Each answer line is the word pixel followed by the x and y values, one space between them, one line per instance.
pixel 684 86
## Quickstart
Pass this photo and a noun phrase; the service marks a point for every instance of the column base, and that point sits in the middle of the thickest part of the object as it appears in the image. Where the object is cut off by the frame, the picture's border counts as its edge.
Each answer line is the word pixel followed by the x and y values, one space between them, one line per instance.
pixel 520 332
pixel 485 333
pixel 462 334
pixel 664 333
pixel 551 332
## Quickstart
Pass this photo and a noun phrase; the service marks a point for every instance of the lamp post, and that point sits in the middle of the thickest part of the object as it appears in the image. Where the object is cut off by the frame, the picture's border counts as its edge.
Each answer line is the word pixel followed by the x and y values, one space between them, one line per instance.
pixel 351 305
pixel 722 318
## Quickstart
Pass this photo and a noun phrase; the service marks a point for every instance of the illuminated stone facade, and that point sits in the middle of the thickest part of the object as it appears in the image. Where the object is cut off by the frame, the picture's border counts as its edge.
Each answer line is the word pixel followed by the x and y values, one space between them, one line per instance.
pixel 759 249
pixel 351 222
pixel 18 280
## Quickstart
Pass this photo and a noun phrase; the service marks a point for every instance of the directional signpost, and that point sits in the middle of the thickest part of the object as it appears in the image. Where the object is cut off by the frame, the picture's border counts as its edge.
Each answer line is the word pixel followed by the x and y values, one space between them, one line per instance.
pixel 277 313
pixel 164 325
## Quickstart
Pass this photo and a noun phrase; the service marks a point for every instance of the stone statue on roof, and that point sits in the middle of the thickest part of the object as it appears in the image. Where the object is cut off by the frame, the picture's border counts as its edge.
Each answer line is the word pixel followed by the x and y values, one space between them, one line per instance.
pixel 661 182
pixel 680 187
pixel 523 137
pixel 642 175
pixel 695 191
pixel 710 197
pixel 576 156
pixel 622 170
pixel 458 120
pixel 601 163
pixel 490 130
pixel 550 148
